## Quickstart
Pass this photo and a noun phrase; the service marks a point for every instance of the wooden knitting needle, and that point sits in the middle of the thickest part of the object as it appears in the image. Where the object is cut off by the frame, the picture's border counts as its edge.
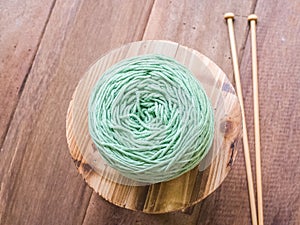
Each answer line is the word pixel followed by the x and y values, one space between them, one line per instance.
pixel 229 19
pixel 252 20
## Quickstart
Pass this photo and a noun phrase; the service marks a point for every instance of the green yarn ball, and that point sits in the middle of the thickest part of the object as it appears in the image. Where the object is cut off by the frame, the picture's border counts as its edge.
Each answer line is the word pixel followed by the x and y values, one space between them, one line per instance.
pixel 150 118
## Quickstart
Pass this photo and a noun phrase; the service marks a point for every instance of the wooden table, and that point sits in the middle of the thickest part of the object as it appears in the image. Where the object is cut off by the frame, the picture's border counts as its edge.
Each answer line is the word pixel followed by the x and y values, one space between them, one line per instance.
pixel 46 46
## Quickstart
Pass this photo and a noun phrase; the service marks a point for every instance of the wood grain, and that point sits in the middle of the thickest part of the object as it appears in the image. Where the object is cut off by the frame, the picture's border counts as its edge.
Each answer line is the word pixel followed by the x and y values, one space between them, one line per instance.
pixel 22 26
pixel 278 48
pixel 200 25
pixel 40 189
pixel 35 163
pixel 185 190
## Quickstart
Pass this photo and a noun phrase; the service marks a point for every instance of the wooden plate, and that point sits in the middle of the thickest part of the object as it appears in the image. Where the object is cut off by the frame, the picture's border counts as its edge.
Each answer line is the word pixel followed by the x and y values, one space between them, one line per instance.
pixel 185 190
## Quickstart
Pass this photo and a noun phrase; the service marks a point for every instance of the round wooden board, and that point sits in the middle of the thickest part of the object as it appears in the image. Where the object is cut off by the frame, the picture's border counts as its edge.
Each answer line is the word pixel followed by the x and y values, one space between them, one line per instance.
pixel 185 190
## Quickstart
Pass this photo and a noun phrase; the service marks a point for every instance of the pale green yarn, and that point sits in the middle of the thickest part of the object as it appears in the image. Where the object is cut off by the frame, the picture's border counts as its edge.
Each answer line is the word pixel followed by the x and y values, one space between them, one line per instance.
pixel 150 118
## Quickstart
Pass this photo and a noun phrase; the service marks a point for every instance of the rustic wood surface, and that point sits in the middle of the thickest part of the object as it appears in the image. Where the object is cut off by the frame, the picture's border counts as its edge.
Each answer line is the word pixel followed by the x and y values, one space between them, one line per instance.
pixel 39 182
pixel 19 42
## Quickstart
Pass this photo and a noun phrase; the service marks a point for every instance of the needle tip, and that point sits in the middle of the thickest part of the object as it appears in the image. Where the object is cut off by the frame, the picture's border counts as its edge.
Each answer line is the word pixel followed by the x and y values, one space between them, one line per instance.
pixel 229 15
pixel 252 17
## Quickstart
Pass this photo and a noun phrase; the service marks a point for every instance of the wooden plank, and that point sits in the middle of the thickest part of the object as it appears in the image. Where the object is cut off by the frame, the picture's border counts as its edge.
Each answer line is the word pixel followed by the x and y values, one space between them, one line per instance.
pixel 199 25
pixel 278 47
pixel 277 44
pixel 22 25
pixel 100 212
pixel 39 182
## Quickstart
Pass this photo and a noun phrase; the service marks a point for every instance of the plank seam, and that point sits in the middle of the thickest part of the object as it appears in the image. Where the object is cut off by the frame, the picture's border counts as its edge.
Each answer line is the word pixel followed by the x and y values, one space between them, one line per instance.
pixel 86 209
pixel 144 31
pixel 38 46
pixel 27 74
pixel 252 10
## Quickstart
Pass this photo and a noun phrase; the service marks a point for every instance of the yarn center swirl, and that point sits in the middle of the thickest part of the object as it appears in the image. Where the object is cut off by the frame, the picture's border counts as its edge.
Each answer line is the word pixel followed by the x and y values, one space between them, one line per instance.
pixel 150 118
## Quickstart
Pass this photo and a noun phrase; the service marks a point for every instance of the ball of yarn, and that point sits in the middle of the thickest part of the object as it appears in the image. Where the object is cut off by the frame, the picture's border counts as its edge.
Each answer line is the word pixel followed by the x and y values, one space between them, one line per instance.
pixel 150 118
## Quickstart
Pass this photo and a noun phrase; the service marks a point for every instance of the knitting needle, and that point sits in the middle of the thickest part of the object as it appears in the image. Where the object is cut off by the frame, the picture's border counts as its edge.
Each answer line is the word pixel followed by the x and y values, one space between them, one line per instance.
pixel 252 20
pixel 229 19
